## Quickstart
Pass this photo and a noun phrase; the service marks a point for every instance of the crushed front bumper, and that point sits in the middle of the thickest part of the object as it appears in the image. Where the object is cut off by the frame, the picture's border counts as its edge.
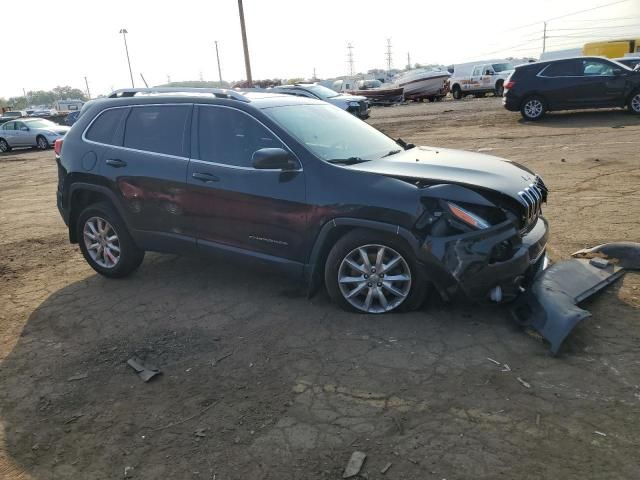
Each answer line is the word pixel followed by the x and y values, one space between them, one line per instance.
pixel 550 305
pixel 477 262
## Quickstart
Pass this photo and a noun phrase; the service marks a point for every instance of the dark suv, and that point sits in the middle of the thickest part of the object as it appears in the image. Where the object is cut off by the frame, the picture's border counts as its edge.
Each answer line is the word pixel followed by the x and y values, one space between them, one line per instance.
pixel 301 185
pixel 571 83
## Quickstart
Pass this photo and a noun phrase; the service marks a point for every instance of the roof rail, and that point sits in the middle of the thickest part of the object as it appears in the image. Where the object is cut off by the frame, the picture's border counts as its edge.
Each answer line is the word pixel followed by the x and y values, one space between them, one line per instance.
pixel 217 92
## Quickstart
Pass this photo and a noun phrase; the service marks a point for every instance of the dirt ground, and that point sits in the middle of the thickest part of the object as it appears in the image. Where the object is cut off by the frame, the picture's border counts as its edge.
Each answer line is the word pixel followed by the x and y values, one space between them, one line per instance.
pixel 261 383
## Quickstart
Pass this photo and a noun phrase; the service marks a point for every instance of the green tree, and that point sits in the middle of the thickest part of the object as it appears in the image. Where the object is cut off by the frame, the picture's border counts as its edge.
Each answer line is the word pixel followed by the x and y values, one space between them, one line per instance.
pixel 62 93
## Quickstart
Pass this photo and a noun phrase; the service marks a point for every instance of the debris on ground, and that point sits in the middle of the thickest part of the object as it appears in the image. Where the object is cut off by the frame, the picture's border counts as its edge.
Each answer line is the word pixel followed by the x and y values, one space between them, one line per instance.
pixel 145 372
pixel 218 360
pixel 523 383
pixel 494 361
pixel 505 368
pixel 80 376
pixel 602 434
pixel 128 472
pixel 354 465
pixel 537 420
pixel 74 418
pixel 200 432
pixel 386 468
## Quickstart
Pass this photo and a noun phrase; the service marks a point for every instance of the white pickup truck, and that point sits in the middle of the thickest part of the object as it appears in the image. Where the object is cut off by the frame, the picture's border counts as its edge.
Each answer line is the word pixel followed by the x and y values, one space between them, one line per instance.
pixel 478 79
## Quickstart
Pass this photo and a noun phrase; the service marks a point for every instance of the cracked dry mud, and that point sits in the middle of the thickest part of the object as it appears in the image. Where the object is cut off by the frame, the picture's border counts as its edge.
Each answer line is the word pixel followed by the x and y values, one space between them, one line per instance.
pixel 259 382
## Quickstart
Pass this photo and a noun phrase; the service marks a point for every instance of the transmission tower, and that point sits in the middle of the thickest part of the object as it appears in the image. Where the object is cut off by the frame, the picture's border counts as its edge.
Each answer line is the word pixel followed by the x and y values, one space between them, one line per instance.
pixel 350 58
pixel 388 54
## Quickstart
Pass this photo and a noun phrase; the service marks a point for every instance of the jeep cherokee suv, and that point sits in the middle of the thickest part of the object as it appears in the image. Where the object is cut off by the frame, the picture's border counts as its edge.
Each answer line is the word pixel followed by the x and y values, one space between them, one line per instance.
pixel 302 185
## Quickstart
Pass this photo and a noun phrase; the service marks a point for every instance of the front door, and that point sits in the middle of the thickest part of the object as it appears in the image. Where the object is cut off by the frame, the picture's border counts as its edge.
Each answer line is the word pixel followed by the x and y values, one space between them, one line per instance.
pixel 599 84
pixel 231 204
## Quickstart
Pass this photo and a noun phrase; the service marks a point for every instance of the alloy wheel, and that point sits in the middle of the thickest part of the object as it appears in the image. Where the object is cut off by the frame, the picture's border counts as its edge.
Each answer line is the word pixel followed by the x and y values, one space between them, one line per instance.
pixel 374 278
pixel 102 242
pixel 42 143
pixel 635 103
pixel 533 108
pixel 4 146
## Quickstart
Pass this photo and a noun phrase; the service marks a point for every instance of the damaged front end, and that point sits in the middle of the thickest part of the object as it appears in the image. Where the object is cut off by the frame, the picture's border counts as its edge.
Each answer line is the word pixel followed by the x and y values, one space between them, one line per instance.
pixel 550 304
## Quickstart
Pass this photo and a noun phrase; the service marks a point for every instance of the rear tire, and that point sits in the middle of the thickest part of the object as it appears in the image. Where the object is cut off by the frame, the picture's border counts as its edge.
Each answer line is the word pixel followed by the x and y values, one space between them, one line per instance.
pixel 499 90
pixel 42 142
pixel 106 243
pixel 634 103
pixel 533 108
pixel 4 146
pixel 398 284
pixel 456 92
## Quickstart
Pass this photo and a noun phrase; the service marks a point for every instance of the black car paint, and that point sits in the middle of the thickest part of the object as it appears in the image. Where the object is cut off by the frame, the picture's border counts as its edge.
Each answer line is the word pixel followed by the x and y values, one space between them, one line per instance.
pixel 571 92
pixel 291 218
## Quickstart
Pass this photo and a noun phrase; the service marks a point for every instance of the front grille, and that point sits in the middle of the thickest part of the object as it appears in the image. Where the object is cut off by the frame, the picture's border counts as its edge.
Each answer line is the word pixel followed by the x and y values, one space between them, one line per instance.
pixel 532 198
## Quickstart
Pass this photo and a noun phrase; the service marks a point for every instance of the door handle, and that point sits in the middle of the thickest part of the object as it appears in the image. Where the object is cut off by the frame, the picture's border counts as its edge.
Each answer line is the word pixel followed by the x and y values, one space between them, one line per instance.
pixel 205 177
pixel 116 162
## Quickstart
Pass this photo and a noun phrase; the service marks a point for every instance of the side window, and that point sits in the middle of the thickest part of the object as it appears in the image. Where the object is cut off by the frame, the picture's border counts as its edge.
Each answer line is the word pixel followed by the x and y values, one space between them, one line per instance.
pixel 561 69
pixel 230 137
pixel 104 128
pixel 20 125
pixel 157 128
pixel 592 68
pixel 9 126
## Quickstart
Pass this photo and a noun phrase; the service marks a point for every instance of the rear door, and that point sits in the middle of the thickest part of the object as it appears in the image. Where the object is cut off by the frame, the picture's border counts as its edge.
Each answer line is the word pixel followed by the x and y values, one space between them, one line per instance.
pixel 232 204
pixel 147 167
pixel 558 82
pixel 475 82
pixel 9 134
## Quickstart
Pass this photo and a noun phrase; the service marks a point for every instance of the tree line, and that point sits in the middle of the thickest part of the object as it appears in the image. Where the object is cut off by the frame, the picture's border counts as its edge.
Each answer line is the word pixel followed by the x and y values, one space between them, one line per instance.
pixel 43 97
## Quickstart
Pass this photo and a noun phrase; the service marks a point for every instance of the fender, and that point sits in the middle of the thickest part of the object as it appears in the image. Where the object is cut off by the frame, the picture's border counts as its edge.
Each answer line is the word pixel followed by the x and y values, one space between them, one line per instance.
pixel 311 268
pixel 93 188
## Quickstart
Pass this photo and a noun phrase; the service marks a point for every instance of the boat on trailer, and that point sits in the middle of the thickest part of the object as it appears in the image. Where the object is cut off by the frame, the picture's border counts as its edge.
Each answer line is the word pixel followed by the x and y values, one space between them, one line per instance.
pixel 420 84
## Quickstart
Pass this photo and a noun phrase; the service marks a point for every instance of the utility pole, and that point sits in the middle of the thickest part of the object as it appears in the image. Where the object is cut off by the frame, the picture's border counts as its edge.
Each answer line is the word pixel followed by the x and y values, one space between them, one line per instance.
pixel 544 38
pixel 314 73
pixel 388 54
pixel 144 81
pixel 168 78
pixel 86 82
pixel 247 62
pixel 124 32
pixel 218 58
pixel 26 99
pixel 408 61
pixel 350 58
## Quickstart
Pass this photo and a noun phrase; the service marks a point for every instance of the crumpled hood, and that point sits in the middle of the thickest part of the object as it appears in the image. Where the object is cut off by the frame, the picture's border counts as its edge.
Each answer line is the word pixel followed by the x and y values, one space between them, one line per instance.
pixel 443 165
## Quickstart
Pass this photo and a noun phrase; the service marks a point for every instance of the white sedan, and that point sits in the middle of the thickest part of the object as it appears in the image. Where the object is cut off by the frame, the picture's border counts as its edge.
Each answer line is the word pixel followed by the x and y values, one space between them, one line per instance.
pixel 30 132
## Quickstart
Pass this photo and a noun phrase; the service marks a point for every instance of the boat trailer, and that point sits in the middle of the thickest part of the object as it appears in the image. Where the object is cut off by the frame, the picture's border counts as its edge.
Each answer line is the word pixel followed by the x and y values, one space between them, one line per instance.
pixel 550 304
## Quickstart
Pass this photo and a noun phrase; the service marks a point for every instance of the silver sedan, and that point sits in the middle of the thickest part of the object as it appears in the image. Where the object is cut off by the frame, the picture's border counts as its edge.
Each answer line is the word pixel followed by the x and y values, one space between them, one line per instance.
pixel 30 132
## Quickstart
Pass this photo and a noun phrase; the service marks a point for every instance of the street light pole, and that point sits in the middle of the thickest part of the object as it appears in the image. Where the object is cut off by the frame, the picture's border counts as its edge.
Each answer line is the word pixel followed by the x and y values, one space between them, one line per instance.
pixel 124 32
pixel 247 63
pixel 218 57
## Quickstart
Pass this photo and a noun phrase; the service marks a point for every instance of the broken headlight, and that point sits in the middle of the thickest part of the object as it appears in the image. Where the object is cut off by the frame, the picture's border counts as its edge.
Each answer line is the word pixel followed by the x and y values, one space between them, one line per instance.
pixel 467 217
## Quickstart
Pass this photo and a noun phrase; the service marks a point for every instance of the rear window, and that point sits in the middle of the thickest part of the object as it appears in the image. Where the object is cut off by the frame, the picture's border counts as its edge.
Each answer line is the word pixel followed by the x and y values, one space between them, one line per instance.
pixel 158 128
pixel 103 129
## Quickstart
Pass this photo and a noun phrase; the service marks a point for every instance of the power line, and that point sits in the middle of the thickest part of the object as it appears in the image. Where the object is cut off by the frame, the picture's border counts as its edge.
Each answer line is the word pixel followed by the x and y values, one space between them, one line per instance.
pixel 594 28
pixel 587 10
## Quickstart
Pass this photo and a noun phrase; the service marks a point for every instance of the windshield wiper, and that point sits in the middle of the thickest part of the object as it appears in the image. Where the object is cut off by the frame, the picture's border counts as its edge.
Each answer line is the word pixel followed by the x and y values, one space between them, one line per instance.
pixel 405 145
pixel 348 161
pixel 392 152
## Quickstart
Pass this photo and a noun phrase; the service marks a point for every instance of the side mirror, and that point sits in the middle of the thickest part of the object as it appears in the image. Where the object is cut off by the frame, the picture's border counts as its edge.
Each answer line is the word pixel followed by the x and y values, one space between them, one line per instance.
pixel 273 159
pixel 24 129
pixel 618 71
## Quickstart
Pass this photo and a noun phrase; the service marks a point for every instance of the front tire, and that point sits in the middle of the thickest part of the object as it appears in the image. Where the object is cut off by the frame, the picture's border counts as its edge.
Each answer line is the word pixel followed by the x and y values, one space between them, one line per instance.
pixel 42 143
pixel 499 90
pixel 456 92
pixel 374 272
pixel 106 243
pixel 533 108
pixel 634 103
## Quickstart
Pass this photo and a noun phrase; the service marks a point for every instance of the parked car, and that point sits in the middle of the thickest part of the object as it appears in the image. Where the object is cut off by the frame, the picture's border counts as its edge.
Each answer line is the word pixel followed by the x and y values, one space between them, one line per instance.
pixel 72 117
pixel 479 79
pixel 49 112
pixel 354 104
pixel 631 62
pixel 12 115
pixel 30 132
pixel 301 185
pixel 574 83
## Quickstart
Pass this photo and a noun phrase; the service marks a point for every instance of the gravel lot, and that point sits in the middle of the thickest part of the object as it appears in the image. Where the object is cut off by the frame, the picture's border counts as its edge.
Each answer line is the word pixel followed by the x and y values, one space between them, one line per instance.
pixel 260 382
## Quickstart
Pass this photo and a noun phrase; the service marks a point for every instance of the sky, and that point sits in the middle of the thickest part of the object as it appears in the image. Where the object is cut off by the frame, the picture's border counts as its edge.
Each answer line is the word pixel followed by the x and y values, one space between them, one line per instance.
pixel 287 38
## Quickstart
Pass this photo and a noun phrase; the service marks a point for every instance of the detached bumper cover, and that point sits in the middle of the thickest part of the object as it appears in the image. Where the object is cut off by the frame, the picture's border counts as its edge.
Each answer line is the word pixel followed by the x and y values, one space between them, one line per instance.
pixel 550 304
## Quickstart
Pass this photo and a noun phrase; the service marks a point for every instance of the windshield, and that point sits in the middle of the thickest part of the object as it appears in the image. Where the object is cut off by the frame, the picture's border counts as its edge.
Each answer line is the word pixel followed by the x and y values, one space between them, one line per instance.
pixel 40 123
pixel 501 67
pixel 331 133
pixel 322 92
